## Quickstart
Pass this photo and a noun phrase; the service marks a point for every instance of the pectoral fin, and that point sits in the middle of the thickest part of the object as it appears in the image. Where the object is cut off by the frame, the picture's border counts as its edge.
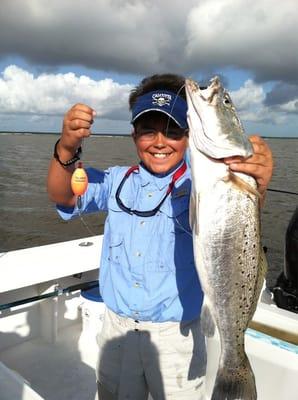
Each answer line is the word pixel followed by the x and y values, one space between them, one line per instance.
pixel 194 212
pixel 207 322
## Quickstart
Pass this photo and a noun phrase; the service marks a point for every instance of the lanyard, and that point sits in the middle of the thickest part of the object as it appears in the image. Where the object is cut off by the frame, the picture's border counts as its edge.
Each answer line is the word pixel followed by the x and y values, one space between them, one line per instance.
pixel 180 171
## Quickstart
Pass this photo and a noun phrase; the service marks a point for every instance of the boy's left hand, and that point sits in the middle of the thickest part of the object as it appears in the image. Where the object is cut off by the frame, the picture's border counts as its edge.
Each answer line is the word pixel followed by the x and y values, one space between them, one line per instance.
pixel 259 165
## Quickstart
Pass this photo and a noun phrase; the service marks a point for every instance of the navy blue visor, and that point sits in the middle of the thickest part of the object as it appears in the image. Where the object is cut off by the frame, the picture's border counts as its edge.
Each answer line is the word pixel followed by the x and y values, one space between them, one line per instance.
pixel 164 101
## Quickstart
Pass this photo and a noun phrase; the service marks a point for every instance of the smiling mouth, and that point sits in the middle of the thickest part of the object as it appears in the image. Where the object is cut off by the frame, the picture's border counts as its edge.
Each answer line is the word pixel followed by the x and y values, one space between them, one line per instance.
pixel 161 155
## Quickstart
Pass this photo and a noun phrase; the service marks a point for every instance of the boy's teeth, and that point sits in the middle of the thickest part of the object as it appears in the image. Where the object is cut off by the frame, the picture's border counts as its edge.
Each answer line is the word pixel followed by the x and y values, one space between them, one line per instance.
pixel 160 155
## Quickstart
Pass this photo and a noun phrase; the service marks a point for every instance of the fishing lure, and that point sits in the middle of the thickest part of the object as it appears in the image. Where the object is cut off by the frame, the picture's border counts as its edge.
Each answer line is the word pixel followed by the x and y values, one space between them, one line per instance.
pixel 79 183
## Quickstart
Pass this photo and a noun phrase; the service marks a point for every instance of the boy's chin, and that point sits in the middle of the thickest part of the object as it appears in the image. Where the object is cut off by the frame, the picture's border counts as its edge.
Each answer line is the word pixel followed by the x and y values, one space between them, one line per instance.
pixel 160 168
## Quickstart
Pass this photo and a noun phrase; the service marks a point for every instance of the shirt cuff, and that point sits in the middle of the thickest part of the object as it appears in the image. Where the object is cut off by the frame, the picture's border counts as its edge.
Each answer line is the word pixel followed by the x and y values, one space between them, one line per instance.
pixel 66 212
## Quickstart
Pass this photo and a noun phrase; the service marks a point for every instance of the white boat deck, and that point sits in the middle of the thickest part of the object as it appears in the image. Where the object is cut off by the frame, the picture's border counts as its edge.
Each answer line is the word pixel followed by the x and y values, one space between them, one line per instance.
pixel 48 351
pixel 55 371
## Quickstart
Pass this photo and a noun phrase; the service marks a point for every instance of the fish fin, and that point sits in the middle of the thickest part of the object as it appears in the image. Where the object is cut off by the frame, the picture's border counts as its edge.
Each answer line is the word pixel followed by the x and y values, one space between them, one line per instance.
pixel 263 264
pixel 237 383
pixel 241 184
pixel 207 322
pixel 193 212
pixel 262 269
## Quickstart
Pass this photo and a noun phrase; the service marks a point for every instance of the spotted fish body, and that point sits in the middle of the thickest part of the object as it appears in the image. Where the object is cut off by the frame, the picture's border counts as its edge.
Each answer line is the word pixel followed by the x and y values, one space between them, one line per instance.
pixel 224 215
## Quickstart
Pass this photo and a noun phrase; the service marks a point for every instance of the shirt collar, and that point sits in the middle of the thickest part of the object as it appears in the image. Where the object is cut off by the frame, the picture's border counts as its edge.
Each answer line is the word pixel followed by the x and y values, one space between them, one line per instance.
pixel 160 180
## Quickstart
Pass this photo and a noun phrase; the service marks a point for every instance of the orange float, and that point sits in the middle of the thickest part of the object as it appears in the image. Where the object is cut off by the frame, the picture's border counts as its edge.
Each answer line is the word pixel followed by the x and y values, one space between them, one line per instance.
pixel 79 181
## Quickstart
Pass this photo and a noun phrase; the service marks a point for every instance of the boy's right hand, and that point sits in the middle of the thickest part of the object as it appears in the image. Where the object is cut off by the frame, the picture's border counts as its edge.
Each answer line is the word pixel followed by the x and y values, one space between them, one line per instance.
pixel 76 126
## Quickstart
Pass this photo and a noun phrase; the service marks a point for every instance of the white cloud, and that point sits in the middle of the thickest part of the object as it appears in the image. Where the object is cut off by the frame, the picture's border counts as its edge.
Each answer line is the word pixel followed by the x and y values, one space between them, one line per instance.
pixel 53 94
pixel 249 100
pixel 290 107
pixel 251 94
pixel 49 94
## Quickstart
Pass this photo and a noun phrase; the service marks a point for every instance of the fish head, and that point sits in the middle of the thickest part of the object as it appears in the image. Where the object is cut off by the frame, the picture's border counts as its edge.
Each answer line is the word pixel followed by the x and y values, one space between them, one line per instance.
pixel 214 126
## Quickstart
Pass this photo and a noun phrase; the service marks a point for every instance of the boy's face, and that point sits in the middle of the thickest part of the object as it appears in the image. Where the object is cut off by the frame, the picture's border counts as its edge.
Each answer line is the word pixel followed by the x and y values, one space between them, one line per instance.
pixel 160 143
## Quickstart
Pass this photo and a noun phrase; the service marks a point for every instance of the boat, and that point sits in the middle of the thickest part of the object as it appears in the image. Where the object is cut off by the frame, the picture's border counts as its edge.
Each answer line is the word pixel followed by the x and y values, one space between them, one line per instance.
pixel 50 316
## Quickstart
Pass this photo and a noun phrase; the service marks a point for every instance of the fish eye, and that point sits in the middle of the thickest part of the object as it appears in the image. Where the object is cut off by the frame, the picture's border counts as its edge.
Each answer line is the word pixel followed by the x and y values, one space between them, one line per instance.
pixel 227 101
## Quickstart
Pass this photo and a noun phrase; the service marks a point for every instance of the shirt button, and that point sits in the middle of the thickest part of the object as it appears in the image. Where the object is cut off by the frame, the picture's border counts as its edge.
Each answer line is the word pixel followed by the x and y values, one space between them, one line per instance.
pixel 136 284
pixel 150 194
pixel 142 223
pixel 138 254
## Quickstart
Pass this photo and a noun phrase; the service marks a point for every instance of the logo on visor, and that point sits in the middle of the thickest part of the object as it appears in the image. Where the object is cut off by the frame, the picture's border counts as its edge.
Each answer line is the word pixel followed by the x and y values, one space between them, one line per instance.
pixel 161 99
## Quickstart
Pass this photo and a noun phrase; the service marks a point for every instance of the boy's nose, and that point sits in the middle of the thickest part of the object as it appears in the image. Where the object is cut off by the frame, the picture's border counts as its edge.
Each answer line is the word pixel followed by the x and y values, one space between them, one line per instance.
pixel 160 139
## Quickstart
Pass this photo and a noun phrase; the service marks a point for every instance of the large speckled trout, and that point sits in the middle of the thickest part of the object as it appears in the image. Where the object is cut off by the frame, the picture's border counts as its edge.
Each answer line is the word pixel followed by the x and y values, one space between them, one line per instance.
pixel 224 215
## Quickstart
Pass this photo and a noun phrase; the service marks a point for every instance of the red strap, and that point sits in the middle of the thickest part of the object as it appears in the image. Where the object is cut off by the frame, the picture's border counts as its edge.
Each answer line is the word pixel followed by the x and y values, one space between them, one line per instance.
pixel 180 171
pixel 131 169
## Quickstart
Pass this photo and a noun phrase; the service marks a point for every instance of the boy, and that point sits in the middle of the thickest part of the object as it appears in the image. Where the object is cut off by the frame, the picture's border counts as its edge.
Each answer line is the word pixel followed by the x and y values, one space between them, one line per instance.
pixel 151 338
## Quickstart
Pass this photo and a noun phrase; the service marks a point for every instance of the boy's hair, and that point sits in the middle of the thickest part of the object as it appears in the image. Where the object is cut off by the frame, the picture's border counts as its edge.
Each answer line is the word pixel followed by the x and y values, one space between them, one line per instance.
pixel 171 82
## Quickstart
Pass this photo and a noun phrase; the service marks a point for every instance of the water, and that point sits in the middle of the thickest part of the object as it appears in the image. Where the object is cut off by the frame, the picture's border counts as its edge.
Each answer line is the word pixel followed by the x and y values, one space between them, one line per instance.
pixel 29 219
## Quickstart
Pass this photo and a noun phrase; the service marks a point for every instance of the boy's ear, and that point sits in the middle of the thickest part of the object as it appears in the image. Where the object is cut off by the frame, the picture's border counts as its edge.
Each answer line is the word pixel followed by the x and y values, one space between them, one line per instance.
pixel 133 134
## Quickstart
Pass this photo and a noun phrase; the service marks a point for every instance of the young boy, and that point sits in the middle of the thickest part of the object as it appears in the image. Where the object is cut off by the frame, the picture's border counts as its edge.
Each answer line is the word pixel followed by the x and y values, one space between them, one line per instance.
pixel 151 339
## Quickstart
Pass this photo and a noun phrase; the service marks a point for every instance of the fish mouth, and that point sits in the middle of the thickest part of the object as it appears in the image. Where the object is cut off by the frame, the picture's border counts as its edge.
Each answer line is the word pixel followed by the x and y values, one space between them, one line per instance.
pixel 192 85
pixel 207 93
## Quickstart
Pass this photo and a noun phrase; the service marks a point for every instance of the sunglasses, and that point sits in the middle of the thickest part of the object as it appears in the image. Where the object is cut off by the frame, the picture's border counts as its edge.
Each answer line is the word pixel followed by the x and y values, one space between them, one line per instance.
pixel 148 134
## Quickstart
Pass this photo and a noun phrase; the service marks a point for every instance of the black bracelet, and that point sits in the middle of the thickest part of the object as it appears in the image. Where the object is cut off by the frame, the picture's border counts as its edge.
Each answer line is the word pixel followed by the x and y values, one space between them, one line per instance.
pixel 74 159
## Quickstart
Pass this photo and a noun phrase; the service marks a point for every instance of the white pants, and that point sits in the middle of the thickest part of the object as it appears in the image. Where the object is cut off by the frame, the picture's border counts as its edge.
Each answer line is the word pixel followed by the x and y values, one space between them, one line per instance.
pixel 167 359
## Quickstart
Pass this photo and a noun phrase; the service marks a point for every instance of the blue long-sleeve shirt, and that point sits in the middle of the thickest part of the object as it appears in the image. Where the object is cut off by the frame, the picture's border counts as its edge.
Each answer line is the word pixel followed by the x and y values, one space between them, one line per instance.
pixel 147 269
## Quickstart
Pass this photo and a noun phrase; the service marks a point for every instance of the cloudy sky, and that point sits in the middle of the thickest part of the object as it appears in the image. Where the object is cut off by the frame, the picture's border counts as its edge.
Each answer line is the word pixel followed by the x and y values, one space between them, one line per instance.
pixel 56 53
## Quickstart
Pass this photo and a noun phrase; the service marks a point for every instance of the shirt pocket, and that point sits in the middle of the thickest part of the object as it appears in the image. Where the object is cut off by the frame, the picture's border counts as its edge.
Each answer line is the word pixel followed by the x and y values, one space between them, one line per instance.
pixel 179 252
pixel 116 249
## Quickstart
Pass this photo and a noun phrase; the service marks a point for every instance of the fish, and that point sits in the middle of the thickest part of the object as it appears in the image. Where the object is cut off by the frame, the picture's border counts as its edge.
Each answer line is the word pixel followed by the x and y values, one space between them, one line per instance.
pixel 225 221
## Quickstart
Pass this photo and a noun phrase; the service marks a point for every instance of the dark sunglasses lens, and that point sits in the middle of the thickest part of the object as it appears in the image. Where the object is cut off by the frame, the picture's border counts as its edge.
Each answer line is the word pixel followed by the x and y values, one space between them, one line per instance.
pixel 175 134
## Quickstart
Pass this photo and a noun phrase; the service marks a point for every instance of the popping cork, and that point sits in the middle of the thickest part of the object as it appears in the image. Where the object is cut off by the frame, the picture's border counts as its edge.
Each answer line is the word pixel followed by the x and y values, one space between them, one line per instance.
pixel 79 182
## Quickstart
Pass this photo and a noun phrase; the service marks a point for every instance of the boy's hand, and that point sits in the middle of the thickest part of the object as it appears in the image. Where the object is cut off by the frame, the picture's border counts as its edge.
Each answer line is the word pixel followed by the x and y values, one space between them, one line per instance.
pixel 76 126
pixel 259 165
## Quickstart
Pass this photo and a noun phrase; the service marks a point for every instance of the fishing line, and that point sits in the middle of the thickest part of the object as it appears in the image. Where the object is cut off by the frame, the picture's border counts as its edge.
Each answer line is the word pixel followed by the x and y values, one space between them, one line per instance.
pixel 282 191
pixel 182 227
pixel 85 224
pixel 79 185
pixel 174 102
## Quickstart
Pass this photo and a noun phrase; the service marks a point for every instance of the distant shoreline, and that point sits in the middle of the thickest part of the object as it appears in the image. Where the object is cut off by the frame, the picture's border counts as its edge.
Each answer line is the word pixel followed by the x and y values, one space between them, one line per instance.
pixel 111 134
pixel 58 133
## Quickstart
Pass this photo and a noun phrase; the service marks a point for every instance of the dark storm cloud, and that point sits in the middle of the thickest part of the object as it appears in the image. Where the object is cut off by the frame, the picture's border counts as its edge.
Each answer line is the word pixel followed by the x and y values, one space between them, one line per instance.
pixel 145 36
pixel 281 93
pixel 127 36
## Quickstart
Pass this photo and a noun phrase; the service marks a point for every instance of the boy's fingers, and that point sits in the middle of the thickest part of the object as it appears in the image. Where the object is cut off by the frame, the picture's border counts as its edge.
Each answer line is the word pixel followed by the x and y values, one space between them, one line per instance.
pixel 82 107
pixel 230 160
pixel 79 123
pixel 250 169
pixel 81 115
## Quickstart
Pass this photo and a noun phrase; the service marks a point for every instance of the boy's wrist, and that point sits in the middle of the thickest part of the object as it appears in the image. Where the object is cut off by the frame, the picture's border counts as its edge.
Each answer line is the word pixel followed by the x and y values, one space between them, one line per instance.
pixel 64 156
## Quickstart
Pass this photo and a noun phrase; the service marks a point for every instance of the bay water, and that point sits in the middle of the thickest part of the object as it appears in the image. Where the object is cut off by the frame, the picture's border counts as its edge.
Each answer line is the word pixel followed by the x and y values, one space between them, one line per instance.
pixel 29 219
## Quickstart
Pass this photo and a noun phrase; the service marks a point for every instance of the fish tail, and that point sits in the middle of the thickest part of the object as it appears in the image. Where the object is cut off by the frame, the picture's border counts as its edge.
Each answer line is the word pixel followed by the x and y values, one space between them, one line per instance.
pixel 235 384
